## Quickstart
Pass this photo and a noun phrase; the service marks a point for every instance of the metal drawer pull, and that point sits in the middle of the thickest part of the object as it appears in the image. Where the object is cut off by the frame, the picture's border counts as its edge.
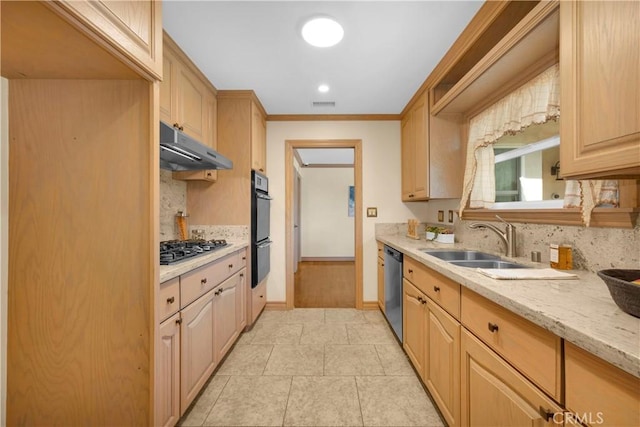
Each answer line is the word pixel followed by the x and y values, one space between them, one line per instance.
pixel 171 300
pixel 493 327
pixel 436 288
pixel 410 271
pixel 230 265
pixel 203 281
pixel 178 321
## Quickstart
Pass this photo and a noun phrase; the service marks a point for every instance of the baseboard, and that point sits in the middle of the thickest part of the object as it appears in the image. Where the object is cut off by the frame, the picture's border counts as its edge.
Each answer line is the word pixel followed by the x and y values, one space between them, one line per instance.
pixel 326 259
pixel 276 305
pixel 370 305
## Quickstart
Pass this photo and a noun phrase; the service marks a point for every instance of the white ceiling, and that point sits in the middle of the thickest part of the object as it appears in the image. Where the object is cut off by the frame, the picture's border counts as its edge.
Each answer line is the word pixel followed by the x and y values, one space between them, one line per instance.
pixel 326 156
pixel 388 50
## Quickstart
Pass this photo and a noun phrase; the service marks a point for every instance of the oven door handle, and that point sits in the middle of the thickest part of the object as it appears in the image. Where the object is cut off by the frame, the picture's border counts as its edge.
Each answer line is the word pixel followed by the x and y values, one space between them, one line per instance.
pixel 263 196
pixel 265 244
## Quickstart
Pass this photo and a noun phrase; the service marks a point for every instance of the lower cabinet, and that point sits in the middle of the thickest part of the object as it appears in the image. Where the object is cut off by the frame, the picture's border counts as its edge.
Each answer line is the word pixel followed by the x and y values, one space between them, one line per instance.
pixel 413 324
pixel 168 367
pixel 225 315
pixel 442 362
pixel 197 350
pixel 495 394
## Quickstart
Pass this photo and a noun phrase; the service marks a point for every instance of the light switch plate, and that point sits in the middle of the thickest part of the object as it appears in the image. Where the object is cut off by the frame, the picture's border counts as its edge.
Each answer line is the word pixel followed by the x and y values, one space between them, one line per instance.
pixel 372 212
pixel 450 216
pixel 440 216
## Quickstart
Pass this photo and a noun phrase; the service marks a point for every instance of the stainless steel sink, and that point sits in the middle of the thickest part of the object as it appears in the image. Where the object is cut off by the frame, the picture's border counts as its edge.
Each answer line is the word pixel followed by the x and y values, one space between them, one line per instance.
pixel 460 255
pixel 487 264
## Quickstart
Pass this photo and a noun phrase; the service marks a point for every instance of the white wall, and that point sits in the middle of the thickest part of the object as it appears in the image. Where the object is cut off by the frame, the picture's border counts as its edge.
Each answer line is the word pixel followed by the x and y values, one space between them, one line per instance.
pixel 4 240
pixel 381 188
pixel 327 230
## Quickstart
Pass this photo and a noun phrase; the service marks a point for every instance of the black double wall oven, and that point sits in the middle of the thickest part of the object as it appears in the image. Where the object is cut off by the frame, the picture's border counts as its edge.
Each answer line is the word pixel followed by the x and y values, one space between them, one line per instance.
pixel 260 218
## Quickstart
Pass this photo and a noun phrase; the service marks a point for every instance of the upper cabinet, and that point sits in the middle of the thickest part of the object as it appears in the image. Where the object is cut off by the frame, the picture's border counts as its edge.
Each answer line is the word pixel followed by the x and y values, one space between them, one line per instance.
pixel 600 81
pixel 132 30
pixel 431 153
pixel 258 139
pixel 188 102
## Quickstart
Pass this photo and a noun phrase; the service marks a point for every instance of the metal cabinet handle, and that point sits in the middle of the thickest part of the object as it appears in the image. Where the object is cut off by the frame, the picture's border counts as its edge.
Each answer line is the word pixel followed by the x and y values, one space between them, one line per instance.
pixel 411 195
pixel 208 174
pixel 261 170
pixel 178 321
pixel 244 258
pixel 383 264
pixel 203 281
pixel 230 265
pixel 241 274
pixel 410 271
pixel 493 327
pixel 171 300
pixel 436 288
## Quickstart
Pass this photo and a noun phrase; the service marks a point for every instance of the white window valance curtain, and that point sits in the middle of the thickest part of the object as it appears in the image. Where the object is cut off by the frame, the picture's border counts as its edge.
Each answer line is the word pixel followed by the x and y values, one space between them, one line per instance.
pixel 535 102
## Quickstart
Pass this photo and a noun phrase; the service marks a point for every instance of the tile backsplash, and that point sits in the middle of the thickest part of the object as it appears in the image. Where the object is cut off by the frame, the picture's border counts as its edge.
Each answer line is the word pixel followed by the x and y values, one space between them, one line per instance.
pixel 173 198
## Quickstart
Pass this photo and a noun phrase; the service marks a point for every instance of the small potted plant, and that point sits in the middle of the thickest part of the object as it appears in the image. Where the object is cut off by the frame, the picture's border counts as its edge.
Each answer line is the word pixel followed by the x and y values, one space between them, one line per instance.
pixel 440 234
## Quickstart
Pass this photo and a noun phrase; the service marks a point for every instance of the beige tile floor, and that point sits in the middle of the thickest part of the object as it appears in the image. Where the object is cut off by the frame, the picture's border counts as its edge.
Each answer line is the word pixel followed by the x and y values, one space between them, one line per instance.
pixel 315 367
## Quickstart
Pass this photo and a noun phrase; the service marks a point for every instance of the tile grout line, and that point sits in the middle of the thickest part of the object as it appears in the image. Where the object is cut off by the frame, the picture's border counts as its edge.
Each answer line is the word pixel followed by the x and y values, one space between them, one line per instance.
pixel 286 407
pixel 216 400
pixel 355 378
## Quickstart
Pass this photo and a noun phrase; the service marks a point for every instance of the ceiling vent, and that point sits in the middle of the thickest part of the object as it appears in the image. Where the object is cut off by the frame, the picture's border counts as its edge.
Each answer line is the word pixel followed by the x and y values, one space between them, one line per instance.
pixel 323 103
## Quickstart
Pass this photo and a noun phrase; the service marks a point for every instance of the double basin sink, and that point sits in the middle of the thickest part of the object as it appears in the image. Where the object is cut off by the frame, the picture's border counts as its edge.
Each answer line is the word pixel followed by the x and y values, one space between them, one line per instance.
pixel 472 259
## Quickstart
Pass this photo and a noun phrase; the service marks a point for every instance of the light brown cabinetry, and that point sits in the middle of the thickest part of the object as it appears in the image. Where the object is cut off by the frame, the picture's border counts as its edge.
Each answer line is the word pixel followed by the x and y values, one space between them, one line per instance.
pixel 258 300
pixel 131 30
pixel 258 139
pixel 415 153
pixel 431 339
pixel 226 315
pixel 598 393
pixel 600 81
pixel 495 394
pixel 536 352
pixel 380 260
pixel 167 354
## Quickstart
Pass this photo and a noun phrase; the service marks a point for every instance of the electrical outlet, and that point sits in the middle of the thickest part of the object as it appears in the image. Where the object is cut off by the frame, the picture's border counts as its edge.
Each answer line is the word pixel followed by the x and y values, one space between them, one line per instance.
pixel 440 216
pixel 450 216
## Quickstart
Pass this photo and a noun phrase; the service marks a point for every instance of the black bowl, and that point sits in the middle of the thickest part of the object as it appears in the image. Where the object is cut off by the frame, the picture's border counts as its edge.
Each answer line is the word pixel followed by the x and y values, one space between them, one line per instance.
pixel 624 293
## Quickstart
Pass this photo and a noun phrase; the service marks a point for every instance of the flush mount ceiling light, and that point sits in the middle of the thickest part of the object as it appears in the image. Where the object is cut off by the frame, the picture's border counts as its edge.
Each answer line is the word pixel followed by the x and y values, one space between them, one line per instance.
pixel 323 88
pixel 322 32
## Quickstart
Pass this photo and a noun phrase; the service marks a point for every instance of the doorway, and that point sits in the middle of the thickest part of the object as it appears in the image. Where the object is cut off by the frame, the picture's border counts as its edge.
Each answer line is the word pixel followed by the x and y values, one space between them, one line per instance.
pixel 328 280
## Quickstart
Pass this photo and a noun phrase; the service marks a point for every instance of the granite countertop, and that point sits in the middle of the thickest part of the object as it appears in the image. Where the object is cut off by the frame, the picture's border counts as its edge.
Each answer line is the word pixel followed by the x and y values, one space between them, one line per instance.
pixel 168 272
pixel 580 311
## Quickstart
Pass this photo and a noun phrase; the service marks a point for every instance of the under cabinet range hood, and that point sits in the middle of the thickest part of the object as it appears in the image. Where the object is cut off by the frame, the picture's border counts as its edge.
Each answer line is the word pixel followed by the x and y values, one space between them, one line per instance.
pixel 180 152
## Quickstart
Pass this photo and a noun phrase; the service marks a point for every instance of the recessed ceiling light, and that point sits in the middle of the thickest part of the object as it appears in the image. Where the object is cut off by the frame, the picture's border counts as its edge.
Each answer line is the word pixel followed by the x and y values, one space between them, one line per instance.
pixel 323 88
pixel 322 32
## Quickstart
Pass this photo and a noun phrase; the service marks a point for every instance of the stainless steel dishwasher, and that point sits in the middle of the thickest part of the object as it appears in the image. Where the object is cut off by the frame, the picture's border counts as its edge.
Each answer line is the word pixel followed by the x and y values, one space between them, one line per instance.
pixel 393 289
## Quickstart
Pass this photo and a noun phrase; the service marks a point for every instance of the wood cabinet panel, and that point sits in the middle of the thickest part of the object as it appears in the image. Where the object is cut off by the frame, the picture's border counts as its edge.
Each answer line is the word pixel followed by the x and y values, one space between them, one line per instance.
pixel 442 362
pixel 241 301
pixel 258 300
pixel 415 152
pixel 381 284
pixel 532 350
pixel 191 104
pixel 407 137
pixel 225 320
pixel 200 280
pixel 168 102
pixel 413 325
pixel 440 289
pixel 198 358
pixel 167 386
pixel 169 298
pixel 598 392
pixel 514 401
pixel 258 140
pixel 600 80
pixel 131 29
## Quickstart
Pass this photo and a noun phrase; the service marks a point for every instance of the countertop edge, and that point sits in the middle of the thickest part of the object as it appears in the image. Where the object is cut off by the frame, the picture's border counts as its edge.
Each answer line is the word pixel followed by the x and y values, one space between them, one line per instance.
pixel 607 351
pixel 168 272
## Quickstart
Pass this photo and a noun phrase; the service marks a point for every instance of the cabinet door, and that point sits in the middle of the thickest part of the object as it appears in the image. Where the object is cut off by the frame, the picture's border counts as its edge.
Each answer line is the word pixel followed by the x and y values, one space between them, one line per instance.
pixel 408 165
pixel 413 324
pixel 225 315
pixel 442 362
pixel 600 81
pixel 258 140
pixel 421 149
pixel 168 101
pixel 198 358
pixel 133 27
pixel 191 104
pixel 241 301
pixel 494 394
pixel 381 283
pixel 167 397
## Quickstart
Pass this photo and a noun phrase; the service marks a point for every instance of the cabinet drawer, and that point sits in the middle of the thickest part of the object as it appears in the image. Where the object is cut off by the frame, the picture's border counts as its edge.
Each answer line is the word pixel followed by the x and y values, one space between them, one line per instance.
pixel 608 395
pixel 532 350
pixel 258 300
pixel 443 291
pixel 242 260
pixel 169 299
pixel 201 280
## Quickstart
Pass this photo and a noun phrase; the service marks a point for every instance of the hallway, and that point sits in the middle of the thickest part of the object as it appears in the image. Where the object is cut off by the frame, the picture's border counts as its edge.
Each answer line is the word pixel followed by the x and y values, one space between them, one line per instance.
pixel 315 367
pixel 325 284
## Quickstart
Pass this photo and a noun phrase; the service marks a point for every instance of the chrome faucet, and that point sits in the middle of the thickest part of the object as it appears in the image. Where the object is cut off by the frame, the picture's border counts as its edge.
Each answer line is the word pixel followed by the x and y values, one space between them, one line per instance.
pixel 508 237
